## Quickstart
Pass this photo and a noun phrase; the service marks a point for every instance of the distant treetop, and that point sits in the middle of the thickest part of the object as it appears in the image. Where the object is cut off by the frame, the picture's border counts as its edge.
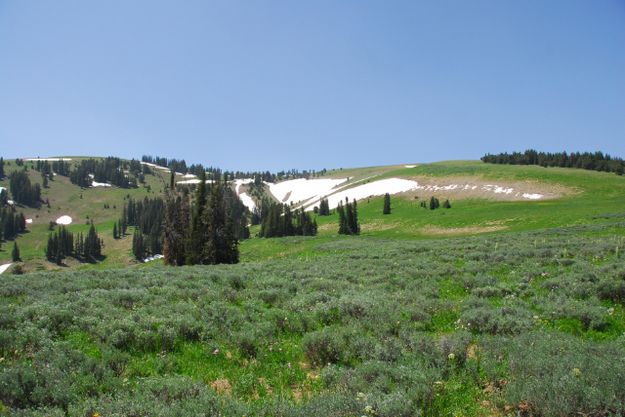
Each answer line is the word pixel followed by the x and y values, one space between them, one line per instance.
pixel 597 161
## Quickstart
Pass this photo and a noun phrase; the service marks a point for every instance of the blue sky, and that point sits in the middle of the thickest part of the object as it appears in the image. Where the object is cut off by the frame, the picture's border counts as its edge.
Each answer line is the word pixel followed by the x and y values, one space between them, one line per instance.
pixel 310 84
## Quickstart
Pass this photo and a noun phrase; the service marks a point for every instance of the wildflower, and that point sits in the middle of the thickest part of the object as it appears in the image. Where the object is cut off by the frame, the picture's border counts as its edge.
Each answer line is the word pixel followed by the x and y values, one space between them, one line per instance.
pixel 577 372
pixel 451 356
pixel 369 409
pixel 610 311
pixel 216 351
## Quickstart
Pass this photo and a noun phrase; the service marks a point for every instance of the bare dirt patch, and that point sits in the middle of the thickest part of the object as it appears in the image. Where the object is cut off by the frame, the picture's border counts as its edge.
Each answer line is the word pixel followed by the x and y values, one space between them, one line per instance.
pixel 221 386
pixel 465 187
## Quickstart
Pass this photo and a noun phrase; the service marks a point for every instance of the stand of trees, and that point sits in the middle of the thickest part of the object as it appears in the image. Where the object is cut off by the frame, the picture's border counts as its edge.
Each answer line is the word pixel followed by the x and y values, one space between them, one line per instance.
pixel 148 218
pixel 110 169
pixel 62 244
pixel 435 203
pixel 348 218
pixel 23 191
pixel 278 220
pixel 204 231
pixel 597 161
pixel 11 223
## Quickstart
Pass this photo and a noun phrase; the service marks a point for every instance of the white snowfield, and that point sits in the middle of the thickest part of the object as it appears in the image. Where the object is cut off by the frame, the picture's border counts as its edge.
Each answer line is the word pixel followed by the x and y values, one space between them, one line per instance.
pixel 48 159
pixel 188 175
pixel 409 166
pixel 5 267
pixel 193 181
pixel 302 190
pixel 155 166
pixel 2 189
pixel 247 201
pixel 29 221
pixel 64 220
pixel 99 184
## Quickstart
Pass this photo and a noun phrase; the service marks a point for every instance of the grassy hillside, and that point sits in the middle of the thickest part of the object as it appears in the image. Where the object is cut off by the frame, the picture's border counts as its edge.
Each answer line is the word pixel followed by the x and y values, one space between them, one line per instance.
pixel 83 205
pixel 584 196
pixel 581 196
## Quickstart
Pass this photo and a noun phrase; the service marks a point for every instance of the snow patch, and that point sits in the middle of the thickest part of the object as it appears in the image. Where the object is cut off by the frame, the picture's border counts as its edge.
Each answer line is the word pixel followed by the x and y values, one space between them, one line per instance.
pixel 301 190
pixel 381 187
pixel 29 221
pixel 194 181
pixel 532 196
pixel 5 267
pixel 153 257
pixel 409 166
pixel 187 175
pixel 64 220
pixel 10 202
pixel 99 184
pixel 247 201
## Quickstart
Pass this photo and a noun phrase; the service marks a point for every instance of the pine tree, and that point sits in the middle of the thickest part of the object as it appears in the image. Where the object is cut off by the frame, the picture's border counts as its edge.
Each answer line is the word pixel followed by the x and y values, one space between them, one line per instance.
pixel 115 235
pixel 15 254
pixel 447 204
pixel 355 226
pixel 434 203
pixel 324 207
pixel 197 234
pixel 343 228
pixel 172 180
pixel 1 168
pixel 387 204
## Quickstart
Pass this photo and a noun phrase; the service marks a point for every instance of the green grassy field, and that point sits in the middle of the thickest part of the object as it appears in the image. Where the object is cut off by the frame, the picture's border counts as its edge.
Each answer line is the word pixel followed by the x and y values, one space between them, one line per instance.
pixel 488 308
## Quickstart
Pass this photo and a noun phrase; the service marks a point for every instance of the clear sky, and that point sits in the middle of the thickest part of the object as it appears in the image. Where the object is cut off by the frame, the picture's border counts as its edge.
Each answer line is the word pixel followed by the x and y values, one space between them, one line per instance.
pixel 310 84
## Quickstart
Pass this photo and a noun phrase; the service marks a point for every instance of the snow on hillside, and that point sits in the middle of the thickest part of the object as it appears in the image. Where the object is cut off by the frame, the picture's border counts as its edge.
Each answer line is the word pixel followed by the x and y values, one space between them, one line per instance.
pixel 247 201
pixel 64 220
pixel 99 184
pixel 399 185
pixel 375 188
pixel 302 190
pixel 5 267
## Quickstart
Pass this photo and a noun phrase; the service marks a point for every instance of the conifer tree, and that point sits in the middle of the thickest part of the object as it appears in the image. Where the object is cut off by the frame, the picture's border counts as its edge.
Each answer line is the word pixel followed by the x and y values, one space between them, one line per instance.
pixel 447 204
pixel 343 228
pixel 1 168
pixel 197 233
pixel 15 254
pixel 387 204
pixel 115 235
pixel 434 203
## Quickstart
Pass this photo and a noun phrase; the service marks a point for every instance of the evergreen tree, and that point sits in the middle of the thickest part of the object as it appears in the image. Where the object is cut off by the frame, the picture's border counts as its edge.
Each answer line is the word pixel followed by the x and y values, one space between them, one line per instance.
pixel 387 204
pixel 324 207
pixel 115 235
pixel 1 168
pixel 434 203
pixel 343 227
pixel 15 254
pixel 172 180
pixel 137 245
pixel 447 204
pixel 197 234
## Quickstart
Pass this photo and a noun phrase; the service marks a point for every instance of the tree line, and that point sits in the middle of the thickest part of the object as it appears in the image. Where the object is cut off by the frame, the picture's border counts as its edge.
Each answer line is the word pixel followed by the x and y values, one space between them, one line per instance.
pixel 597 161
